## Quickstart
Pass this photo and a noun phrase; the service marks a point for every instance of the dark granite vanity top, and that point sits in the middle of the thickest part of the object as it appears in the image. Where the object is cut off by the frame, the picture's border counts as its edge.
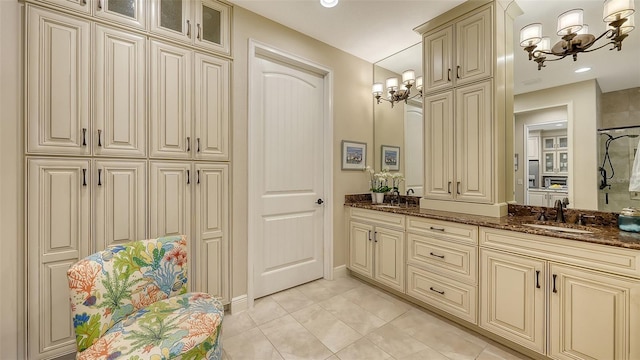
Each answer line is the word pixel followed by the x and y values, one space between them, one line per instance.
pixel 603 225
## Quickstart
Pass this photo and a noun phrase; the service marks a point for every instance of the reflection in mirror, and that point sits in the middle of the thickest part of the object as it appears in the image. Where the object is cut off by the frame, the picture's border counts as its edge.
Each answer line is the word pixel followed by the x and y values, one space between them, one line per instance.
pixel 401 125
pixel 604 98
pixel 617 152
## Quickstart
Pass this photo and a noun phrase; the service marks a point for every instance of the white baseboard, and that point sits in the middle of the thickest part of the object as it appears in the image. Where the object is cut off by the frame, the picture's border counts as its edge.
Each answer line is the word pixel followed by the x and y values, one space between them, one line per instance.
pixel 339 271
pixel 239 304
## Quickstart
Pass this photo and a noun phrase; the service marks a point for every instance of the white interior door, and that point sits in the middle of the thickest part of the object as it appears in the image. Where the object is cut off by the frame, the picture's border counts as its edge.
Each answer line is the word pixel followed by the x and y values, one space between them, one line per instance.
pixel 287 171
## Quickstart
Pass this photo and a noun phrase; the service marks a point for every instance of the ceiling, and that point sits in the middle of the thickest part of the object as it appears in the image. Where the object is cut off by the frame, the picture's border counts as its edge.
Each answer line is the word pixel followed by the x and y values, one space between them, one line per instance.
pixel 375 29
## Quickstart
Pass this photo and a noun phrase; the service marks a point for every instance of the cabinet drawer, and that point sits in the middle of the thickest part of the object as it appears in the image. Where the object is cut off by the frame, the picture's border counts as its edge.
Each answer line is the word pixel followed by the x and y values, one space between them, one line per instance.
pixel 447 258
pixel 454 297
pixel 593 256
pixel 379 217
pixel 443 229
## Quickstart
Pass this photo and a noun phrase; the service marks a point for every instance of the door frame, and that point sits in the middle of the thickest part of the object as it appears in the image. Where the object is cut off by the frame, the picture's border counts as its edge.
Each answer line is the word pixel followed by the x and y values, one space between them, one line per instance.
pixel 256 49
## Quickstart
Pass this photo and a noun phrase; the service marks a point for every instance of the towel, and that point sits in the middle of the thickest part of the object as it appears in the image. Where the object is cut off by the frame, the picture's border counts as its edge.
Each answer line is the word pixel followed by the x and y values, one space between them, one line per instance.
pixel 634 182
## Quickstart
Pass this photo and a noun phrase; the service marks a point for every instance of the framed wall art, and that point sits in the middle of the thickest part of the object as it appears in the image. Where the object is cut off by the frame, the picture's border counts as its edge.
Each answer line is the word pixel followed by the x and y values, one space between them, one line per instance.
pixel 390 157
pixel 354 155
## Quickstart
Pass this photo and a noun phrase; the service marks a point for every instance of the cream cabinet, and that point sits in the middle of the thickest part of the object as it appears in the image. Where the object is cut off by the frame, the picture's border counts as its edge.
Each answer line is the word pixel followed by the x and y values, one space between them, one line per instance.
pixel 376 246
pixel 173 135
pixel 533 148
pixel 58 235
pixel 442 260
pixel 203 23
pixel 512 297
pixel 127 12
pixel 57 81
pixel 458 139
pixel 555 162
pixel 460 53
pixel 545 198
pixel 589 295
pixel 120 101
pixel 170 199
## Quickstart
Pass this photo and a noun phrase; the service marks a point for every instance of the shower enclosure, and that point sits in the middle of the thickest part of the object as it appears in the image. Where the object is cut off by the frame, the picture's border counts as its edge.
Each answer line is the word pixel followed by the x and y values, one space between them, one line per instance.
pixel 616 153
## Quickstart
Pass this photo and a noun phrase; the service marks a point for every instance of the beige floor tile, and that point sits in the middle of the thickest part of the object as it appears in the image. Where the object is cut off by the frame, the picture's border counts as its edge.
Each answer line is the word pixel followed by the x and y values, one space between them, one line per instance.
pixel 496 352
pixel 292 299
pixel 373 301
pixel 449 344
pixel 362 349
pixel 265 310
pixel 233 325
pixel 317 291
pixel 293 341
pixel 250 345
pixel 343 284
pixel 353 315
pixel 417 321
pixel 333 333
pixel 395 342
pixel 427 354
pixel 333 357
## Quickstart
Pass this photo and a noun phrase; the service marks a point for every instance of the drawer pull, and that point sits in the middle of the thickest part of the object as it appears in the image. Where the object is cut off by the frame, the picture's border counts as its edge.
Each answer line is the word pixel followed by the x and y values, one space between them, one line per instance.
pixel 435 228
pixel 434 290
pixel 537 279
pixel 436 255
pixel 555 290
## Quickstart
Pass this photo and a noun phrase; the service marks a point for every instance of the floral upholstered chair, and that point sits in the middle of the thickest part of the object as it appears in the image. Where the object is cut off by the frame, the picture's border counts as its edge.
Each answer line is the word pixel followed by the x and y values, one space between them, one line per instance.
pixel 130 301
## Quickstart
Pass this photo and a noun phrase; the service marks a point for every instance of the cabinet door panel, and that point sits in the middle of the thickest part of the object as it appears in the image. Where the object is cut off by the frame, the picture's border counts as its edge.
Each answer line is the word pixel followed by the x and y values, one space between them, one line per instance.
pixel 211 247
pixel 212 108
pixel 389 258
pixel 58 235
pixel 57 74
pixel 170 94
pixel 512 298
pixel 438 135
pixel 170 199
pixel 127 12
pixel 438 56
pixel 81 6
pixel 474 143
pixel 537 198
pixel 172 18
pixel 456 261
pixel 120 88
pixel 593 315
pixel 361 248
pixel 473 48
pixel 120 202
pixel 212 26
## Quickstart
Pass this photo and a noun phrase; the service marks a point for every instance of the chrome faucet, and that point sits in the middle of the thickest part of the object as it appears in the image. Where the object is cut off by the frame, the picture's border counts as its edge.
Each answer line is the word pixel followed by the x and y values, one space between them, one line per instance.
pixel 396 197
pixel 559 205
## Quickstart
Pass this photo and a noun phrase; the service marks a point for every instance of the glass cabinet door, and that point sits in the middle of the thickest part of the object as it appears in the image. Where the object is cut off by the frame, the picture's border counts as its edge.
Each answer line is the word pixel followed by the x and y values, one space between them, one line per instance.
pixel 549 162
pixel 172 18
pixel 562 142
pixel 212 25
pixel 563 161
pixel 128 12
pixel 548 143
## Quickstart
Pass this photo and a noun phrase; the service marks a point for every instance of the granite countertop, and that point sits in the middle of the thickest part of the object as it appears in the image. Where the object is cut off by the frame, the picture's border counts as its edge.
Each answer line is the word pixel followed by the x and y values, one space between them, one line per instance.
pixel 605 231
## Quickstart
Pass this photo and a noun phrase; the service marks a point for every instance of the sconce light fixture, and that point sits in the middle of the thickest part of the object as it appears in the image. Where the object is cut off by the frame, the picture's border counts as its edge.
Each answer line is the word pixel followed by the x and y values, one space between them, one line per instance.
pixel 395 93
pixel 618 14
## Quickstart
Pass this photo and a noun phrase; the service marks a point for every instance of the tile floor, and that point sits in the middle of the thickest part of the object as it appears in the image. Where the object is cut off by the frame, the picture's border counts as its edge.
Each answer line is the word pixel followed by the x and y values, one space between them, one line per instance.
pixel 348 319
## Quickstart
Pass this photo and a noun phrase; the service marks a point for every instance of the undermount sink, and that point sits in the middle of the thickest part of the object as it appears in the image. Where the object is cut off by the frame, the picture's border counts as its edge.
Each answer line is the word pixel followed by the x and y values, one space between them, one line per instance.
pixel 559 228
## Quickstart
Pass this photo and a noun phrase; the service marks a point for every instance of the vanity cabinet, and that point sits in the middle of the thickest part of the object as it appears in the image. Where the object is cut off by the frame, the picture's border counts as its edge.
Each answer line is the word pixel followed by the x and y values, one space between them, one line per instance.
pixel 545 198
pixel 376 246
pixel 442 259
pixel 582 297
pixel 203 23
pixel 459 53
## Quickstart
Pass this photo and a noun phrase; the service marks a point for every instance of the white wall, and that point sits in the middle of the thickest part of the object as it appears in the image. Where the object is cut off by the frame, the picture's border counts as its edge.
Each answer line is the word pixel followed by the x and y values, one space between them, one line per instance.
pixel 582 106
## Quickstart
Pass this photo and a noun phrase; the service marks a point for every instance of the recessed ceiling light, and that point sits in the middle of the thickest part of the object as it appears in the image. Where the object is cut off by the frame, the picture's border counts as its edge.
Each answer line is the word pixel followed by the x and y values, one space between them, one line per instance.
pixel 581 70
pixel 329 3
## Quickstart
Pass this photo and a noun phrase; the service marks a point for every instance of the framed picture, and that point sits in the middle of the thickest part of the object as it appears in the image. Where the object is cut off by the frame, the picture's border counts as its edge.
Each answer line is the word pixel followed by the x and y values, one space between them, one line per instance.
pixel 390 157
pixel 354 155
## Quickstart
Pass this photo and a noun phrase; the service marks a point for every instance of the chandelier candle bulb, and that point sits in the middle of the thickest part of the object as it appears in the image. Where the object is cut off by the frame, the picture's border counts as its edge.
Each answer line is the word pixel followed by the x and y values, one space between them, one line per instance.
pixel 531 34
pixel 377 89
pixel 392 84
pixel 628 26
pixel 570 22
pixel 409 77
pixel 545 44
pixel 584 30
pixel 617 9
pixel 419 83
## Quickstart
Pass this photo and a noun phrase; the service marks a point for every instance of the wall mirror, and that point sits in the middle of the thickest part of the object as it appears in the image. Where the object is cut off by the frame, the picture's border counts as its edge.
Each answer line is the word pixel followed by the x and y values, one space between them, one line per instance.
pixel 401 125
pixel 563 118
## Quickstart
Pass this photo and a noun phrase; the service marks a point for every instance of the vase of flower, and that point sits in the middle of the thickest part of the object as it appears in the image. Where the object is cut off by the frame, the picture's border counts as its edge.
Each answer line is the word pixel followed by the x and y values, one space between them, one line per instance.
pixel 373 198
pixel 379 197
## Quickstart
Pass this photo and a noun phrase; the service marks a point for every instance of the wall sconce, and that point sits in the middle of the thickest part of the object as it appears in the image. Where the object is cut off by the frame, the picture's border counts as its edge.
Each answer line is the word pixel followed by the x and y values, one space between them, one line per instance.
pixel 395 93
pixel 575 33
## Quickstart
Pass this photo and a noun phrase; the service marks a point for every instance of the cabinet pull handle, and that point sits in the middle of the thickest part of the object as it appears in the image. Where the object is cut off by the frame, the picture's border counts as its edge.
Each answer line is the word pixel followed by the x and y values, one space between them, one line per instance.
pixel 458 187
pixel 189 29
pixel 99 177
pixel 375 236
pixel 99 138
pixel 84 136
pixel 188 177
pixel 555 290
pixel 198 35
pixel 84 2
pixel 434 290
pixel 449 187
pixel 458 72
pixel 99 4
pixel 449 74
pixel 436 255
pixel 197 176
pixel 188 144
pixel 435 228
pixel 537 279
pixel 84 177
pixel 369 235
pixel 197 144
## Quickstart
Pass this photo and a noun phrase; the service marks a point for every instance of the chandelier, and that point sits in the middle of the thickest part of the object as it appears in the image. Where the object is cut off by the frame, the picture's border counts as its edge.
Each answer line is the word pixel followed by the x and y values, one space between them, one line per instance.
pixel 575 33
pixel 396 94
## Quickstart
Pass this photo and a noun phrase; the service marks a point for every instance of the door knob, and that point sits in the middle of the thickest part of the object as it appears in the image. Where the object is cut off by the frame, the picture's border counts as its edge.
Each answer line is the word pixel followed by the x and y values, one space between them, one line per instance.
pixel 319 202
